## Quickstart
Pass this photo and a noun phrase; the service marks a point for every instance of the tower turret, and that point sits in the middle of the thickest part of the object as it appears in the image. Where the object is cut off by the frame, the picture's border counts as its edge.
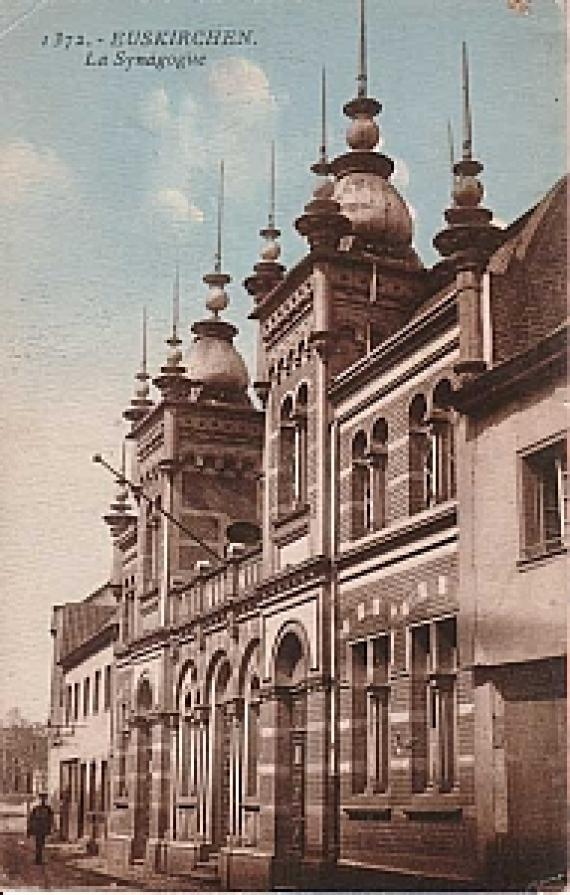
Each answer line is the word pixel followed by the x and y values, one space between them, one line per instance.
pixel 172 381
pixel 322 223
pixel 141 403
pixel 468 239
pixel 213 361
pixel 268 271
pixel 380 219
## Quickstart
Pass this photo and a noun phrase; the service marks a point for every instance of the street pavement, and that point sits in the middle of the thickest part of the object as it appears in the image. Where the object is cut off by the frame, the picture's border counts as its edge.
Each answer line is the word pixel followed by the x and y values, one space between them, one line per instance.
pixel 67 867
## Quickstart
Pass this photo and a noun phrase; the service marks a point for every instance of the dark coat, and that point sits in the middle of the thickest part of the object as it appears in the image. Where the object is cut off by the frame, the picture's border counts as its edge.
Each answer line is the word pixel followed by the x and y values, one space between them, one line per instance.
pixel 40 821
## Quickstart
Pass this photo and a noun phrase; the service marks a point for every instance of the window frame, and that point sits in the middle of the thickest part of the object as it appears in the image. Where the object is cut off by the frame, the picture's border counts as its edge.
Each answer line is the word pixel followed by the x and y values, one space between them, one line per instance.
pixel 527 457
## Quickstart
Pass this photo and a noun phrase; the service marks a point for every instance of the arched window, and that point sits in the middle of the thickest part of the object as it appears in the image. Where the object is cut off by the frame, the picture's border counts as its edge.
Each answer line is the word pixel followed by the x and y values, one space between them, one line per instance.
pixel 293 451
pixel 361 491
pixel 378 471
pixel 286 482
pixel 420 457
pixel 442 436
pixel 253 704
pixel 301 444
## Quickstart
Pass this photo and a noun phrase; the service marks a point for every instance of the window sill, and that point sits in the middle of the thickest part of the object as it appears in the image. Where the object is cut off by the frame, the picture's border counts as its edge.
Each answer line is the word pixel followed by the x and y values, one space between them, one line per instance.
pixel 290 515
pixel 121 802
pixel 367 812
pixel 538 559
pixel 433 809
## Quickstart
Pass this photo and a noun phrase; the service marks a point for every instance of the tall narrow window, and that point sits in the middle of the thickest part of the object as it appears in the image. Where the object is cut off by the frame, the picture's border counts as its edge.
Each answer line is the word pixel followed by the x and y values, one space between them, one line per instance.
pixel 544 479
pixel 86 696
pixel 252 737
pixel 361 497
pixel 76 702
pixel 378 703
pixel 186 745
pixel 442 444
pixel 96 691
pixel 287 465
pixel 301 470
pixel 434 669
pixel 107 688
pixel 420 457
pixel 359 716
pixel 378 471
pixel 68 704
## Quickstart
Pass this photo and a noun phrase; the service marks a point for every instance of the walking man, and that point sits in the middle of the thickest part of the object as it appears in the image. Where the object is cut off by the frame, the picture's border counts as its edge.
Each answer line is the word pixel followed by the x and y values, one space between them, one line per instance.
pixel 40 824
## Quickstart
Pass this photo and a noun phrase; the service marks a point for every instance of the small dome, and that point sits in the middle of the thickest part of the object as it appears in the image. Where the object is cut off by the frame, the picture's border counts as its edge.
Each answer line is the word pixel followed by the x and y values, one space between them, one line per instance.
pixel 375 209
pixel 214 361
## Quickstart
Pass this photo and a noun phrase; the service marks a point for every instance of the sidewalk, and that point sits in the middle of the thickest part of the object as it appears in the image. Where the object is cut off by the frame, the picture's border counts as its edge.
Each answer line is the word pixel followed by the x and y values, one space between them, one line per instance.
pixel 134 877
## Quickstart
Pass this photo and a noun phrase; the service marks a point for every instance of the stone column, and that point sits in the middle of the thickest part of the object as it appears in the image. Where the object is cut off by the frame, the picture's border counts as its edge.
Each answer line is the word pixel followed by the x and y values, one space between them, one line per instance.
pixel 234 711
pixel 202 714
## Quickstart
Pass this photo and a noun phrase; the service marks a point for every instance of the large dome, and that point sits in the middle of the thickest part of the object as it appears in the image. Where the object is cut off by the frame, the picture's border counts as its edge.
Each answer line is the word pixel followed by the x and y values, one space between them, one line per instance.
pixel 375 209
pixel 215 363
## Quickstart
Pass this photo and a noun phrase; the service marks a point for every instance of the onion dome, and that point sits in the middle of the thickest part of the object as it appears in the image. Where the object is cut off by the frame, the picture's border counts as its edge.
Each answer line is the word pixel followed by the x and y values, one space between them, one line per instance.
pixel 214 363
pixel 267 272
pixel 469 229
pixel 322 223
pixel 172 381
pixel 141 403
pixel 379 216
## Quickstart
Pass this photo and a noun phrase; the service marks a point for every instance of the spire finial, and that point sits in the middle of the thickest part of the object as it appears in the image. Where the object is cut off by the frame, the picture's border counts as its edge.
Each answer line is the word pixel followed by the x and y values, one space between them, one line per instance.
pixel 450 146
pixel 362 78
pixel 218 256
pixel 176 301
pixel 467 122
pixel 144 374
pixel 323 147
pixel 271 216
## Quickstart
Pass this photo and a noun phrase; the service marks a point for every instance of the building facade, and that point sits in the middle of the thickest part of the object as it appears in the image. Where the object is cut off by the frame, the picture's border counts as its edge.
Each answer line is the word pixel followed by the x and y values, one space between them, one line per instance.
pixel 80 723
pixel 332 629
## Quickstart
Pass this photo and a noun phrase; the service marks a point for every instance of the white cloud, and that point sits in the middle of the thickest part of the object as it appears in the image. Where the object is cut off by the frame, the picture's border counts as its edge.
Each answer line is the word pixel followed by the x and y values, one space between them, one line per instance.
pixel 239 81
pixel 26 170
pixel 240 110
pixel 178 206
pixel 401 175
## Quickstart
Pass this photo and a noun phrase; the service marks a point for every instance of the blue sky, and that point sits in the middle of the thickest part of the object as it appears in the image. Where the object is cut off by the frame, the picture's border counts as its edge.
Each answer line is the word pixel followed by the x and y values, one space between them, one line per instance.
pixel 107 176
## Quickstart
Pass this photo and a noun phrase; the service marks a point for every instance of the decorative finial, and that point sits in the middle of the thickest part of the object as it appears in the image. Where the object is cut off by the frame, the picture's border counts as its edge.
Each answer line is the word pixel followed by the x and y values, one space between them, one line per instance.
pixel 362 78
pixel 363 133
pixel 141 402
pixel 469 229
pixel 119 515
pixel 217 298
pixel 271 250
pixel 176 302
pixel 323 146
pixel 271 215
pixel 172 381
pixel 450 146
pixel 218 255
pixel 467 122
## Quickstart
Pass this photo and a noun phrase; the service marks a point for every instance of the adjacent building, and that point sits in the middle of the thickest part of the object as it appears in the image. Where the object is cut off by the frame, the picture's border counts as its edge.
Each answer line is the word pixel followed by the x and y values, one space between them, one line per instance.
pixel 80 722
pixel 344 657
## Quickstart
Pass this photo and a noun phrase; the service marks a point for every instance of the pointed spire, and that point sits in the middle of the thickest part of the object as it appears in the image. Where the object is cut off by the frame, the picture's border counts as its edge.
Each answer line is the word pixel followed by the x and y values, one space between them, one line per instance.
pixel 469 227
pixel 271 215
pixel 322 224
pixel 363 133
pixel 268 271
pixel 172 381
pixel 120 514
pixel 467 122
pixel 362 78
pixel 141 401
pixel 217 299
pixel 218 255
pixel 450 146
